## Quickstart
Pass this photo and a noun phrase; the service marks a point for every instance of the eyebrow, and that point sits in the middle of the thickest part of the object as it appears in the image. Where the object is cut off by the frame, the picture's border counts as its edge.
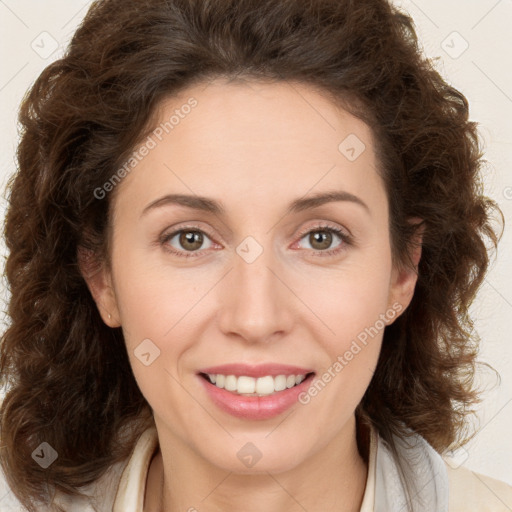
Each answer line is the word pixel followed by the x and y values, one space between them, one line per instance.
pixel 212 206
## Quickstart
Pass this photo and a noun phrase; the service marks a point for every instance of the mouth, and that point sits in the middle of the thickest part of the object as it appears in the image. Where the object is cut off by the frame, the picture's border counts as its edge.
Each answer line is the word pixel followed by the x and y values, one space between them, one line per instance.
pixel 255 391
pixel 247 386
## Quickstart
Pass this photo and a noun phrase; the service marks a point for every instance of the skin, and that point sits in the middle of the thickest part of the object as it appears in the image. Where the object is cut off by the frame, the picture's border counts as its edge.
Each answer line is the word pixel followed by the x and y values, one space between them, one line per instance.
pixel 254 147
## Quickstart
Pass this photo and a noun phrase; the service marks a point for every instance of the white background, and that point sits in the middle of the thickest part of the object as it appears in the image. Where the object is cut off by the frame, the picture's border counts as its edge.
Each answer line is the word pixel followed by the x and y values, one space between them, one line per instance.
pixel 30 30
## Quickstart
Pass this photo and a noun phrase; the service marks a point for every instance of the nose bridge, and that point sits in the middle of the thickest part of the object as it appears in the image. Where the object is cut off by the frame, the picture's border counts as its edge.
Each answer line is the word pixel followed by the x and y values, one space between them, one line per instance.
pixel 255 305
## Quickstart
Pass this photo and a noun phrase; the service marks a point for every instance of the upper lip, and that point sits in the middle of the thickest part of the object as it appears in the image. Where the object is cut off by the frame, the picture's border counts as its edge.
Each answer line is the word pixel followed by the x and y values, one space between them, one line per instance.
pixel 257 370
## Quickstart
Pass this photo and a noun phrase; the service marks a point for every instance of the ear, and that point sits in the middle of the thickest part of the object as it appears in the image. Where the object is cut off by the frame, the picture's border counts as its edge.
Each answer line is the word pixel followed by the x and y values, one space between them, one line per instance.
pixel 99 282
pixel 403 280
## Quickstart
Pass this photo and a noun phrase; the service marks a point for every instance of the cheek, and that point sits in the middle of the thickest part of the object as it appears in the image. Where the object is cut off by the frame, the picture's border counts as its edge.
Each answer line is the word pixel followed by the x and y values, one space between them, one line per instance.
pixel 152 298
pixel 354 312
pixel 353 308
pixel 350 299
pixel 156 308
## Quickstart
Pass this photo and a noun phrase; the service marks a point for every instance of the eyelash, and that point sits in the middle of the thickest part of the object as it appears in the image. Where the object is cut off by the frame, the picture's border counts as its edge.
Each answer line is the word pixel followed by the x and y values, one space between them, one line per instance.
pixel 344 237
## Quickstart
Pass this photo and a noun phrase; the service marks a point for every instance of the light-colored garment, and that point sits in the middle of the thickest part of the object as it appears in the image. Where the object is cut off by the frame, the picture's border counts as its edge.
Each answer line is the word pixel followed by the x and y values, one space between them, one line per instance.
pixel 439 487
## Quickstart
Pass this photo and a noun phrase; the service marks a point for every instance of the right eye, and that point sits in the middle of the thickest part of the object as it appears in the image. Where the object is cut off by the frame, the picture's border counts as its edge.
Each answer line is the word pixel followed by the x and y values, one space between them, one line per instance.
pixel 185 240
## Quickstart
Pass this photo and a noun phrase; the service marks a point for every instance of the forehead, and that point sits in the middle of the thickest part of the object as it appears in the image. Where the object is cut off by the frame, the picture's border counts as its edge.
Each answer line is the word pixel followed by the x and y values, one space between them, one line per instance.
pixel 254 142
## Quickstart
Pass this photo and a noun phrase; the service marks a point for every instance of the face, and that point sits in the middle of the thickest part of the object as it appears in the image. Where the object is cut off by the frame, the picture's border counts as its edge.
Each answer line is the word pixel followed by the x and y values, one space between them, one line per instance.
pixel 256 275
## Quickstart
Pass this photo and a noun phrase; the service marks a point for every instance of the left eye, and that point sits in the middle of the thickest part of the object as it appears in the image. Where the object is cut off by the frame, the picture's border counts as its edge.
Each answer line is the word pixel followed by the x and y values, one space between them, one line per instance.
pixel 320 239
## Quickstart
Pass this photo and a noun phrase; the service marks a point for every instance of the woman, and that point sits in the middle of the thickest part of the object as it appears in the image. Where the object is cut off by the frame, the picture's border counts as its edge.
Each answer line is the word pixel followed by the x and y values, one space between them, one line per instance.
pixel 244 238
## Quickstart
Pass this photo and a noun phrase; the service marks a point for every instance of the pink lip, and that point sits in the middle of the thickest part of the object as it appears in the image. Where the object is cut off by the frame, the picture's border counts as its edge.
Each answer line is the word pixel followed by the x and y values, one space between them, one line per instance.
pixel 255 407
pixel 260 370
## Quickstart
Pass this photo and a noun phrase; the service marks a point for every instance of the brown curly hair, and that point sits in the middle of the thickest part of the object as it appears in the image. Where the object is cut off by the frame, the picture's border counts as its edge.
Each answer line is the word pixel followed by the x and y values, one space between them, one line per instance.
pixel 68 376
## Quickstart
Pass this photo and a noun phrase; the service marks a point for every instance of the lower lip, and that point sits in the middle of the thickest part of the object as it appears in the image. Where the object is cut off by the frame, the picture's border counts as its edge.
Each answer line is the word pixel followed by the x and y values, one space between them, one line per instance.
pixel 255 407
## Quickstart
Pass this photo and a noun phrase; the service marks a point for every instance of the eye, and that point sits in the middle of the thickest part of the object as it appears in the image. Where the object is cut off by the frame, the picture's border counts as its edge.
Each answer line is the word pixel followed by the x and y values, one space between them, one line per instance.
pixel 321 238
pixel 186 240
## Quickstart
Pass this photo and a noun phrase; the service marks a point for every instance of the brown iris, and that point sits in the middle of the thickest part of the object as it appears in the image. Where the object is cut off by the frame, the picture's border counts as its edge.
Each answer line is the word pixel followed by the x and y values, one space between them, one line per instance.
pixel 191 240
pixel 324 238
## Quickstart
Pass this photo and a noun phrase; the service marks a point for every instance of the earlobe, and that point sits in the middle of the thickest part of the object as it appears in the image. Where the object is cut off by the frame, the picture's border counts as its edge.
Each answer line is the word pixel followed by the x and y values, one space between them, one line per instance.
pixel 403 280
pixel 99 282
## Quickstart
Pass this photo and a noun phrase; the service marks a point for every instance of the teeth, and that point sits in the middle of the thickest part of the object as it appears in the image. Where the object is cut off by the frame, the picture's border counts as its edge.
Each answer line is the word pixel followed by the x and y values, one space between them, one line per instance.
pixel 230 383
pixel 249 386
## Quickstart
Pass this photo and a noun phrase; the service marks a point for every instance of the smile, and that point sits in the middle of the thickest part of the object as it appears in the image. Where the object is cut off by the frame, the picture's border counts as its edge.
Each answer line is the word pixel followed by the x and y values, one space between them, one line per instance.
pixel 250 386
pixel 254 398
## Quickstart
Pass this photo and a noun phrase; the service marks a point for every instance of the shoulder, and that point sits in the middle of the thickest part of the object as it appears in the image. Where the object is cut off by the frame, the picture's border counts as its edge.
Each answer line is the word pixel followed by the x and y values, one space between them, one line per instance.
pixel 96 497
pixel 433 482
pixel 116 484
pixel 473 492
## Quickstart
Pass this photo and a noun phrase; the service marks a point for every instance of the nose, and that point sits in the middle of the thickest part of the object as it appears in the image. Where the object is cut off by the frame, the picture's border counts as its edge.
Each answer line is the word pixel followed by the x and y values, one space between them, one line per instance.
pixel 256 303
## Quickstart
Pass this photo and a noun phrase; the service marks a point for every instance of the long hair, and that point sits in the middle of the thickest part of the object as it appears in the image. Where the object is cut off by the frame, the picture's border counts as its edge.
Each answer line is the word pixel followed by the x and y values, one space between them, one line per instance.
pixel 68 377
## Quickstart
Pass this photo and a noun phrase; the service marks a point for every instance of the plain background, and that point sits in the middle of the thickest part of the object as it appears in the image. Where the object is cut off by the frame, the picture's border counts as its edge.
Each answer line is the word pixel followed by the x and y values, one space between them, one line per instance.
pixel 472 40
